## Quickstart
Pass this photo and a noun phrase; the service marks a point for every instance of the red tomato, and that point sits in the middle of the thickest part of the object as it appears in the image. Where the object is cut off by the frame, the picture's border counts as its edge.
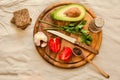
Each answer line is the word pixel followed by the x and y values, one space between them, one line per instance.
pixel 66 54
pixel 55 44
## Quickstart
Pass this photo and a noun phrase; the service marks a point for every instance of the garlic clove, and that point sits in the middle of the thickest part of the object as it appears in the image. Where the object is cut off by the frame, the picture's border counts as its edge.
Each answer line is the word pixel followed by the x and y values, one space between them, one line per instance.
pixel 43 44
pixel 37 42
pixel 38 37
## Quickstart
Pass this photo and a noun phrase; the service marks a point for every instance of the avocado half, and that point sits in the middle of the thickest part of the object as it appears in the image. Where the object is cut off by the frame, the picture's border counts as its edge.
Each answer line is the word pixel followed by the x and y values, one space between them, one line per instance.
pixel 59 14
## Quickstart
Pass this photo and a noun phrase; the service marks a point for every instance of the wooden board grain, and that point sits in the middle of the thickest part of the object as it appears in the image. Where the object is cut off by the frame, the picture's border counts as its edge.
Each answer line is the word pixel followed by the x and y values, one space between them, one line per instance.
pixel 53 57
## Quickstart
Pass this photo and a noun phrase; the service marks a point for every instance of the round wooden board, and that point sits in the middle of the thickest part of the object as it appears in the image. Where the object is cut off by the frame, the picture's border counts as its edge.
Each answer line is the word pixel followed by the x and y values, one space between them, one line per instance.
pixel 53 57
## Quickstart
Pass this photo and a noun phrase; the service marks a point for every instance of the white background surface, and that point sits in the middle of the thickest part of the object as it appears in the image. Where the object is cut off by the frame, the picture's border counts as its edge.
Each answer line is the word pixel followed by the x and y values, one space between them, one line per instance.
pixel 19 59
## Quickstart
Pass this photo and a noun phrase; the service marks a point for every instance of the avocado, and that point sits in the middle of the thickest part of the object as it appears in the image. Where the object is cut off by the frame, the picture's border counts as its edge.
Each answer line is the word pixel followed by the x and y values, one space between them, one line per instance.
pixel 71 12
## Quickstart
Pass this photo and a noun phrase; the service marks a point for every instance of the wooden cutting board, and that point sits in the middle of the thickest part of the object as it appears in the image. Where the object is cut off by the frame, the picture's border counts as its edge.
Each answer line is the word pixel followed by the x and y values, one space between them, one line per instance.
pixel 53 57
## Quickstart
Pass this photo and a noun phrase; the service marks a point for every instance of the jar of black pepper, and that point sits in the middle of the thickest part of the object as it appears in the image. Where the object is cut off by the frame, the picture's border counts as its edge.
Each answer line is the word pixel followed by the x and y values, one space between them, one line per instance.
pixel 96 25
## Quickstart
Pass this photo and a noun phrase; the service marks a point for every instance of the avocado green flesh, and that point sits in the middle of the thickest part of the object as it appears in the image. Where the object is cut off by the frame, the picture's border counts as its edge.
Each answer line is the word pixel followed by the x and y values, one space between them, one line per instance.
pixel 59 13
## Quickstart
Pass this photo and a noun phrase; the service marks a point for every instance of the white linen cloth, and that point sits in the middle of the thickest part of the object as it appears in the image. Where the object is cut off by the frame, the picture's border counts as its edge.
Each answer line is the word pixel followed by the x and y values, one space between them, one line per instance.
pixel 19 60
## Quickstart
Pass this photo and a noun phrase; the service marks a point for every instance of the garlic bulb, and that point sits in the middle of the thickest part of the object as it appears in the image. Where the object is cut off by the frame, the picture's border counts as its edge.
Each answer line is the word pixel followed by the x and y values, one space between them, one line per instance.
pixel 40 39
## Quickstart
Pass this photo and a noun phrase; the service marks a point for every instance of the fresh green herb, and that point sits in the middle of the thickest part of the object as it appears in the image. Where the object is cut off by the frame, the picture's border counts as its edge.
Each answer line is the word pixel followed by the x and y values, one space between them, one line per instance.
pixel 86 38
pixel 80 25
pixel 71 24
pixel 84 32
pixel 73 28
pixel 48 23
pixel 89 37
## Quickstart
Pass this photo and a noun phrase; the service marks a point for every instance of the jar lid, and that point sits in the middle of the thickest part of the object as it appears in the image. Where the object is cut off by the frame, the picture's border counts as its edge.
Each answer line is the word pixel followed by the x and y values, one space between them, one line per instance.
pixel 99 22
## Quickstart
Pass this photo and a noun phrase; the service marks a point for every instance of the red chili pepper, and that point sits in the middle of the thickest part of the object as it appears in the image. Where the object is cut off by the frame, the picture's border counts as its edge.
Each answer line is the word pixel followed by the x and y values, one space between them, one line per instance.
pixel 55 44
pixel 66 54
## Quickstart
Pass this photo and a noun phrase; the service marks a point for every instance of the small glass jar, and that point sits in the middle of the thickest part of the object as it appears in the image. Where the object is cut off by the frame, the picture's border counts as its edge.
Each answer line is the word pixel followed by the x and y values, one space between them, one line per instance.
pixel 96 25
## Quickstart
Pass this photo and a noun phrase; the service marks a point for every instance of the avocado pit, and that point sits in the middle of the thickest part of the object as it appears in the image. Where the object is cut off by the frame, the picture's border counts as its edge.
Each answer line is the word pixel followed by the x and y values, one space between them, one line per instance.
pixel 73 12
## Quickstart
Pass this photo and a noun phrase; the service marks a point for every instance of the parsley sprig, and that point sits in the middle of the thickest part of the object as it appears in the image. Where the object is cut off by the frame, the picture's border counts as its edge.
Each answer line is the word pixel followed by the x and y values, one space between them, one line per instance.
pixel 73 28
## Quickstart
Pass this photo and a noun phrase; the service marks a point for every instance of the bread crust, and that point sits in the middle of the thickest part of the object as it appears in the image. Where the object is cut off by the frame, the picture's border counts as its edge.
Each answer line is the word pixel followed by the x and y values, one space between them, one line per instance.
pixel 21 18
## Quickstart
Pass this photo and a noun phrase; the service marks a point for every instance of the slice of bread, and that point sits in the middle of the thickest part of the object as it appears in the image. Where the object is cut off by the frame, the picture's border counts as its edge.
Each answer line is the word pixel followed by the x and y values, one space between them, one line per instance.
pixel 21 18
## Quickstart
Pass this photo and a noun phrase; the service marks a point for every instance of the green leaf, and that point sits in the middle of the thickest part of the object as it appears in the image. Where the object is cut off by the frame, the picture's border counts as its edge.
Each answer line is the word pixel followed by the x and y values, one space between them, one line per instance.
pixel 88 42
pixel 83 38
pixel 83 22
pixel 68 30
pixel 85 32
pixel 71 24
pixel 80 25
pixel 89 38
pixel 65 27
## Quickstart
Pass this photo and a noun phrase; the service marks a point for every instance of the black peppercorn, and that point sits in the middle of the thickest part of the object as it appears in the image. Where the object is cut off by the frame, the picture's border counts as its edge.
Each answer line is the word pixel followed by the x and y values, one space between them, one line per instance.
pixel 77 51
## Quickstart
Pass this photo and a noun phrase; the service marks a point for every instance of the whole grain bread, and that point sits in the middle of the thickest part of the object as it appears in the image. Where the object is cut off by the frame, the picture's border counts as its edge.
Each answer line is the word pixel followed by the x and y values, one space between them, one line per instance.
pixel 21 18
